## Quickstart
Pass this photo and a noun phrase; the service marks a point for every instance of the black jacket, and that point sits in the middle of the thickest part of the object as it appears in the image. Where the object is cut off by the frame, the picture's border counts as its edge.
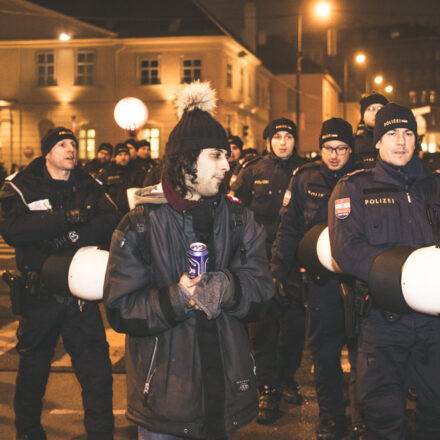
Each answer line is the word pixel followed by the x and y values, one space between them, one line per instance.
pixel 116 180
pixel 173 385
pixel 306 205
pixel 364 151
pixel 33 212
pixel 261 186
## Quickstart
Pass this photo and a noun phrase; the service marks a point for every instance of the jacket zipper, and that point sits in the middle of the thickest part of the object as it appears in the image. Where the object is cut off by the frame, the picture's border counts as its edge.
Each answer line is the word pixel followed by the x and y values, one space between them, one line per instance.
pixel 151 368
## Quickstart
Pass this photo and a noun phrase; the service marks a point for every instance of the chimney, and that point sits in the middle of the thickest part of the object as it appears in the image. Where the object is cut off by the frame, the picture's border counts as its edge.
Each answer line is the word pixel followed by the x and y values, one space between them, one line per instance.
pixel 249 33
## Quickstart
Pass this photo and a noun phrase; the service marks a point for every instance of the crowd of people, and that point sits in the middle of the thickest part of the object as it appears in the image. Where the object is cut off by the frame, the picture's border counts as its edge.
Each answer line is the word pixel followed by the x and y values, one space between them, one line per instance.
pixel 208 353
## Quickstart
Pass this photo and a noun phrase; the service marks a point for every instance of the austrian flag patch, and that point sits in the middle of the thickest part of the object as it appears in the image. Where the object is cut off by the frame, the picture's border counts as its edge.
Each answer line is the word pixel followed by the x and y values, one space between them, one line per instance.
pixel 342 208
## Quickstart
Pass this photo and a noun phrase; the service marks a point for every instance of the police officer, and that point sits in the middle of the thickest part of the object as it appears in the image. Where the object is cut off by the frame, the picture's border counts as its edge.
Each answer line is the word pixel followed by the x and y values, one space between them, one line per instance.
pixel 48 211
pixel 143 164
pixel 132 145
pixel 118 177
pixel 370 212
pixel 364 149
pixel 305 205
pixel 236 150
pixel 261 186
pixel 102 159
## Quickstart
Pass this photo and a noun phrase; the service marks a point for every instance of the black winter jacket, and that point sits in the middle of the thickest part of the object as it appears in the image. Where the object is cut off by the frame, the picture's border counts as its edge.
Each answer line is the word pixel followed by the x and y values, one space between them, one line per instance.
pixel 33 212
pixel 186 375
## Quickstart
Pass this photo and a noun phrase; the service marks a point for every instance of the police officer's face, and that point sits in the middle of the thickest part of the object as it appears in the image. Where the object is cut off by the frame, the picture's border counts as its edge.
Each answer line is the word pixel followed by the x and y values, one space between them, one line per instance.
pixel 103 156
pixel 235 153
pixel 122 158
pixel 63 155
pixel 283 144
pixel 144 152
pixel 335 154
pixel 211 165
pixel 132 151
pixel 397 146
pixel 370 114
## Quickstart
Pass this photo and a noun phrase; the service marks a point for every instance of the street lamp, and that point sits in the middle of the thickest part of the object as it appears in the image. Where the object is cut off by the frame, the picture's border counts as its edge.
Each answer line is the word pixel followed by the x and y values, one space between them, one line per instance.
pixel 322 10
pixel 360 58
pixel 389 88
pixel 378 79
pixel 130 114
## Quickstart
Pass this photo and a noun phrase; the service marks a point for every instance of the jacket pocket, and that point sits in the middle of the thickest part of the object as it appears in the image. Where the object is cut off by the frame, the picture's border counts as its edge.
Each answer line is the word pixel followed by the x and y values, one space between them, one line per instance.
pixel 382 223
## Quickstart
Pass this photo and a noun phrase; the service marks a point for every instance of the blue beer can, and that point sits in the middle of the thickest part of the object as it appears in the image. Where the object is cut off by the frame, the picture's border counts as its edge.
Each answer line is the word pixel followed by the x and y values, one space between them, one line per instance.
pixel 198 259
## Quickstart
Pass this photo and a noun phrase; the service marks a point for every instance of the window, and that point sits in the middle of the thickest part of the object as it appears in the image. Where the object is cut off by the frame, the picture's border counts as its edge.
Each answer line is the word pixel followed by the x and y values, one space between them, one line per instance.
pixel 149 71
pixel 86 143
pixel 412 96
pixel 85 66
pixel 46 68
pixel 229 76
pixel 432 96
pixel 423 97
pixel 152 135
pixel 192 70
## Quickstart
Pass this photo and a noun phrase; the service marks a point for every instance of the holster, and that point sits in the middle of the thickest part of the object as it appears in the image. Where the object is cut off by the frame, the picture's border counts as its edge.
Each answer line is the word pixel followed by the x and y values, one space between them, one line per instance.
pixel 16 291
pixel 357 304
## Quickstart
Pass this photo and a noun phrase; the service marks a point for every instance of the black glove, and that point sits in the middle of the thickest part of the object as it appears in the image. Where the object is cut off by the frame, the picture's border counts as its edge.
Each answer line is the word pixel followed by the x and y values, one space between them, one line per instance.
pixel 60 243
pixel 76 217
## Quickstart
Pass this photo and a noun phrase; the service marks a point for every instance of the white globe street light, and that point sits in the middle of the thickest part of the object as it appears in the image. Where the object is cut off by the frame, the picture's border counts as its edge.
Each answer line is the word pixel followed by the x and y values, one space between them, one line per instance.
pixel 130 114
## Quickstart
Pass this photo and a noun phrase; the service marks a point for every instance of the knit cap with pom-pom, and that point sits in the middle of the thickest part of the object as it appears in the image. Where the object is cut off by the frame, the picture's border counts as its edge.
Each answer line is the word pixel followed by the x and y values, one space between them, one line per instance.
pixel 197 129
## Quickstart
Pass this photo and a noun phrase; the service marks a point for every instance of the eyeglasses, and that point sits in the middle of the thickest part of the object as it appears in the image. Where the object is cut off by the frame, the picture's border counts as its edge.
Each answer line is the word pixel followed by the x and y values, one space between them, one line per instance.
pixel 339 150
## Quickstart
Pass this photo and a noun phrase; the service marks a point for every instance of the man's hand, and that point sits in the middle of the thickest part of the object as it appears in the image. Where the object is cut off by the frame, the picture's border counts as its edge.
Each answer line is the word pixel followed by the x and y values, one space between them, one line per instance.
pixel 190 285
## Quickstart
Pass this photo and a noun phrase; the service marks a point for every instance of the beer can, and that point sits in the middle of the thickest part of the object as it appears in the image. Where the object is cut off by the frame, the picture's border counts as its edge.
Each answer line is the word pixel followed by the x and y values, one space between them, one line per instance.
pixel 198 259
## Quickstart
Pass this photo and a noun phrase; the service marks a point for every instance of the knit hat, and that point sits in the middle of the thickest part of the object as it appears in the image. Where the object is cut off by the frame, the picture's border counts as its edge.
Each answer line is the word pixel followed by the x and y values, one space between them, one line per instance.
pixel 393 116
pixel 282 124
pixel 121 148
pixel 336 129
pixel 132 142
pixel 142 143
pixel 55 135
pixel 107 147
pixel 197 129
pixel 236 141
pixel 374 98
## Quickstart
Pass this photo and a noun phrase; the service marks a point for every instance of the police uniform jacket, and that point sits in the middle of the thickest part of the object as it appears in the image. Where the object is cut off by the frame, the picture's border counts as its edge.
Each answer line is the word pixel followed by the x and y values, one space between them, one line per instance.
pixel 378 209
pixel 94 167
pixel 33 212
pixel 168 345
pixel 364 150
pixel 116 180
pixel 262 185
pixel 305 205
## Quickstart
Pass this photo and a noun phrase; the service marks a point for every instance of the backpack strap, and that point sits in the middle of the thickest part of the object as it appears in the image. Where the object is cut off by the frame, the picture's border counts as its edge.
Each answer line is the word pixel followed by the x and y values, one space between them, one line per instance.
pixel 237 226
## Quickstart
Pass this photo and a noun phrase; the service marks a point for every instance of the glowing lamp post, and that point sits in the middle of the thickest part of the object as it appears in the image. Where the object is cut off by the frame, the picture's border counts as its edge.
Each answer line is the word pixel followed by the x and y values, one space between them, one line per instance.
pixel 131 114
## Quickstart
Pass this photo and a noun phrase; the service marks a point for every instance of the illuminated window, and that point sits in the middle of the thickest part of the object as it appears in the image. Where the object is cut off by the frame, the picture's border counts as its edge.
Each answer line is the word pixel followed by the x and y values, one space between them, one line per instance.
pixel 423 97
pixel 149 71
pixel 192 70
pixel 46 68
pixel 152 135
pixel 229 76
pixel 85 68
pixel 412 97
pixel 86 143
pixel 432 96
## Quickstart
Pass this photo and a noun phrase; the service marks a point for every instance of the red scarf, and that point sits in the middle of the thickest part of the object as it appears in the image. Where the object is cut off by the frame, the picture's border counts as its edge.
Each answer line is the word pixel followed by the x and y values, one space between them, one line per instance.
pixel 177 202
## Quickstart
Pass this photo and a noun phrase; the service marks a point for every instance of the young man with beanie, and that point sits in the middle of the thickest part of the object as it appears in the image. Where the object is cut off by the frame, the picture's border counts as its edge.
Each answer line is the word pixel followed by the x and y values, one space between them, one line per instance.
pixel 132 146
pixel 48 211
pixel 190 373
pixel 306 205
pixel 365 151
pixel 261 186
pixel 102 159
pixel 373 215
pixel 143 164
pixel 118 177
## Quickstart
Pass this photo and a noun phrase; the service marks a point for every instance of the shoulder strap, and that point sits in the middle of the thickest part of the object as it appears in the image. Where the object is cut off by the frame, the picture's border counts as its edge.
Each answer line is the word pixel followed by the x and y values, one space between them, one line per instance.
pixel 237 228
pixel 140 220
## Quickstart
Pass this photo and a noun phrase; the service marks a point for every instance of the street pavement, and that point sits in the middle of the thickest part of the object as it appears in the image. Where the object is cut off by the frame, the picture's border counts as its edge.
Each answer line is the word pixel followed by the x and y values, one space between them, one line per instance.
pixel 62 411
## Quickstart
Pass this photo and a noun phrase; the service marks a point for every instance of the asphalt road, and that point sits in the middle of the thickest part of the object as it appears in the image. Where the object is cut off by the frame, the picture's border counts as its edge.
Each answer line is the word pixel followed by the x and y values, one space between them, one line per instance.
pixel 62 411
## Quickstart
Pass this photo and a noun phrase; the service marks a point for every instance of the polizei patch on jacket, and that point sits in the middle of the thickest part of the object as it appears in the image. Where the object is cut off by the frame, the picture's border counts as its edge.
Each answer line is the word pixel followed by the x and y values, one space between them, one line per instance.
pixel 342 208
pixel 243 385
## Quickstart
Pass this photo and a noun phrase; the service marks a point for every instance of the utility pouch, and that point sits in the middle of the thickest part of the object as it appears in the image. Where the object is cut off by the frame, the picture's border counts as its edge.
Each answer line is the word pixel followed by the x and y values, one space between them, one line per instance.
pixel 16 291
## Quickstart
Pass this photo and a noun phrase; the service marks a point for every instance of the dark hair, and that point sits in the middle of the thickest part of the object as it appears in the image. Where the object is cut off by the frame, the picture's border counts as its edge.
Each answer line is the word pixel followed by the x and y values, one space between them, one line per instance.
pixel 176 165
